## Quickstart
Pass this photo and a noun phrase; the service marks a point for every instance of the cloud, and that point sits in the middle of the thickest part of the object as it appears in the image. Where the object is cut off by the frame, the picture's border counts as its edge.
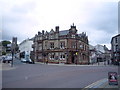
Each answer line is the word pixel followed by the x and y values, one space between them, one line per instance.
pixel 100 36
pixel 106 17
pixel 102 23
pixel 25 8
pixel 119 17
pixel 25 18
pixel 18 22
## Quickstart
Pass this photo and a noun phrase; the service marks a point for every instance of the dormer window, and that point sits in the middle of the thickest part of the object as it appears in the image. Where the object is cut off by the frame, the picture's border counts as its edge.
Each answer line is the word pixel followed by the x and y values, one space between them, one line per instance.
pixel 73 29
pixel 46 37
pixel 73 36
pixel 51 37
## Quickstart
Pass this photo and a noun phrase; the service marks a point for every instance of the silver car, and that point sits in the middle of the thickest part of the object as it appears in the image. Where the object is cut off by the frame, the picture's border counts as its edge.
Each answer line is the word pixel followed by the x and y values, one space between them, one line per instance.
pixel 7 59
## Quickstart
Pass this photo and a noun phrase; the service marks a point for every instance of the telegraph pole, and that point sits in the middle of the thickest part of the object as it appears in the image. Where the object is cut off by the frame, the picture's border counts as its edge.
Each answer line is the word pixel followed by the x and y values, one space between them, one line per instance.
pixel 13 48
pixel 12 58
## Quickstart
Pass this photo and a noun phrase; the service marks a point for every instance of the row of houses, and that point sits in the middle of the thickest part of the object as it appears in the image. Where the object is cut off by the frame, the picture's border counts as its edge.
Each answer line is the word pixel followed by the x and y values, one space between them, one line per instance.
pixel 100 53
pixel 25 49
pixel 63 46
pixel 115 49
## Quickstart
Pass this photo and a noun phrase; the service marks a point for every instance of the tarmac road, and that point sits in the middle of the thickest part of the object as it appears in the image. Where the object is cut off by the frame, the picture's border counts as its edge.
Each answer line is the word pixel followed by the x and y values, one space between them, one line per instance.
pixel 54 76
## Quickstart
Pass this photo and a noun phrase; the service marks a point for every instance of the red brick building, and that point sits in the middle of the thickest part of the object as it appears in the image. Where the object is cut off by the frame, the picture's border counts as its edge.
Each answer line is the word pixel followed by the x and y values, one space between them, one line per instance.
pixel 64 46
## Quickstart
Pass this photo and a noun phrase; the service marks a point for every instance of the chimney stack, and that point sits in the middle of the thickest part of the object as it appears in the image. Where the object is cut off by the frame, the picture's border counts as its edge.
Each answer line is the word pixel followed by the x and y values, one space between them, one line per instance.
pixel 42 32
pixel 57 28
pixel 39 32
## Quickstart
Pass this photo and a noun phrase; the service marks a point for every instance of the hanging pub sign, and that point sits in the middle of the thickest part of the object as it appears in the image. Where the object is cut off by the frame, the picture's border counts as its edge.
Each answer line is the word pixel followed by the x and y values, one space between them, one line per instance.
pixel 112 78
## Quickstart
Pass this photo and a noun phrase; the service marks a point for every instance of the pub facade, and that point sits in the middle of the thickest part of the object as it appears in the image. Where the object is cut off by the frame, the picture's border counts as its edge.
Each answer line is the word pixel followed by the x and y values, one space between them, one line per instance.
pixel 61 47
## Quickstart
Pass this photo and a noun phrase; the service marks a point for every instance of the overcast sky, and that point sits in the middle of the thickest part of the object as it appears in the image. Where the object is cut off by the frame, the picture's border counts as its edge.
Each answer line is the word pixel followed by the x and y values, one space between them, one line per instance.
pixel 24 18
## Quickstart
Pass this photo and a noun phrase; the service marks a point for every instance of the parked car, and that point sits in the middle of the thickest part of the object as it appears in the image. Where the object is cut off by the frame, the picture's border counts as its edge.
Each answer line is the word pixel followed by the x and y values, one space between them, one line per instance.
pixel 1 58
pixel 6 59
pixel 26 61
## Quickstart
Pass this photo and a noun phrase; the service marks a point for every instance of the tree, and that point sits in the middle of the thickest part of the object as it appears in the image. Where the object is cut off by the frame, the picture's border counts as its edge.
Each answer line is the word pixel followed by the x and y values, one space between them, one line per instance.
pixel 3 53
pixel 5 43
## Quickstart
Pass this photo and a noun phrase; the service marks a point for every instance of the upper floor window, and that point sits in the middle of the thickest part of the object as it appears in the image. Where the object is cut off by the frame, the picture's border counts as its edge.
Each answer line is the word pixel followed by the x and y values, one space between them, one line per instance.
pixel 81 46
pixel 73 36
pixel 116 47
pixel 84 47
pixel 51 36
pixel 56 36
pixel 116 40
pixel 45 45
pixel 46 36
pixel 40 46
pixel 62 45
pixel 73 44
pixel 52 45
pixel 35 38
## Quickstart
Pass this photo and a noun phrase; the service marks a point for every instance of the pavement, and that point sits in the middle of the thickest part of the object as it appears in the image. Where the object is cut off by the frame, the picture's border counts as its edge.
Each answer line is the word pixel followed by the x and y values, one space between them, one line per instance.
pixel 6 66
pixel 61 64
pixel 103 83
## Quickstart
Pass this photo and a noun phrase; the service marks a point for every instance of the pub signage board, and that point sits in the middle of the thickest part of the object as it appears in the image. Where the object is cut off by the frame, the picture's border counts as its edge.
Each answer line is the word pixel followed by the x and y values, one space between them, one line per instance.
pixel 112 78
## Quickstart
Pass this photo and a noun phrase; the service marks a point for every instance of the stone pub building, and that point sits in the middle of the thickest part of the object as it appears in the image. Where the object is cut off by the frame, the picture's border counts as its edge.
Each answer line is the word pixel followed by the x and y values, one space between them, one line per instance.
pixel 61 47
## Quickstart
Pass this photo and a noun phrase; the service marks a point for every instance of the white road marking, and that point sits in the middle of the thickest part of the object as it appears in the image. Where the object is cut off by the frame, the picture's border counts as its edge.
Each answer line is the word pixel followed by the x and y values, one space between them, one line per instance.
pixel 97 83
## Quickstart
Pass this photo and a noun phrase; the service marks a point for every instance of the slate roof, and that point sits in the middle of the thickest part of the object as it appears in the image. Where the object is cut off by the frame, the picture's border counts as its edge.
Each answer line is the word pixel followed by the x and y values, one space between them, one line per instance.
pixel 64 32
pixel 79 35
pixel 82 35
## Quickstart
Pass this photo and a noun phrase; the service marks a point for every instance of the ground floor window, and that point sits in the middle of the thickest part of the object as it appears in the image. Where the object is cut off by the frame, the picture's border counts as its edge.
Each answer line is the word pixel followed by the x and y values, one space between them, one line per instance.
pixel 22 55
pixel 40 56
pixel 62 56
pixel 52 56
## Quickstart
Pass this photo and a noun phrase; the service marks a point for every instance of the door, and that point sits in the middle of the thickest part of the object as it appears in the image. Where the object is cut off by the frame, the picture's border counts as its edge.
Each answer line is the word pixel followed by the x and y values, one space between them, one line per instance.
pixel 73 57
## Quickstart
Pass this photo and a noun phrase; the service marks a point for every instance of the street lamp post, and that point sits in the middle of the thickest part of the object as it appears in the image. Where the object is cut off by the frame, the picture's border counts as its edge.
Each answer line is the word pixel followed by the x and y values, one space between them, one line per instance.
pixel 98 59
pixel 105 60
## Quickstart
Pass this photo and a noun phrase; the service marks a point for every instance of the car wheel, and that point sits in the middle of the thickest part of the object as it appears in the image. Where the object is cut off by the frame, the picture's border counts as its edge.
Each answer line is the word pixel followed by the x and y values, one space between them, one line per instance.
pixel 4 61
